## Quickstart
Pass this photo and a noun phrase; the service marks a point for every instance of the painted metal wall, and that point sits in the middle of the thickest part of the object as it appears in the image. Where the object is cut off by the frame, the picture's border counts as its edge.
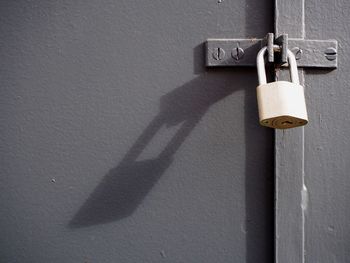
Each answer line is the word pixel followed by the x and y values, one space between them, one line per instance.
pixel 312 163
pixel 118 146
pixel 327 143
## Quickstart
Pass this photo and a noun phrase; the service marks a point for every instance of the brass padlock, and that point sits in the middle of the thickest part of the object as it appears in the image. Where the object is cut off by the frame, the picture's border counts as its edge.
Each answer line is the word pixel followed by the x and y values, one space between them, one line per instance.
pixel 281 103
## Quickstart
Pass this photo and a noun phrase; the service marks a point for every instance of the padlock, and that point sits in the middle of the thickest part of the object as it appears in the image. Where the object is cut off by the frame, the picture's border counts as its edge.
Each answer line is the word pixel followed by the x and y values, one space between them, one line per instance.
pixel 281 103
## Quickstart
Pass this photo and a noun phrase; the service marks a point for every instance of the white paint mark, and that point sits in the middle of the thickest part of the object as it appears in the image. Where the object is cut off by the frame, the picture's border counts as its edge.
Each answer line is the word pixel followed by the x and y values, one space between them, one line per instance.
pixel 330 228
pixel 304 198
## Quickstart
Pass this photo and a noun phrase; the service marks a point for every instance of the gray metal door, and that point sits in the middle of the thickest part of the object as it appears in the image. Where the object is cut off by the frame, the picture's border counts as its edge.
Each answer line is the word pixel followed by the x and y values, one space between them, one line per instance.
pixel 119 146
pixel 312 163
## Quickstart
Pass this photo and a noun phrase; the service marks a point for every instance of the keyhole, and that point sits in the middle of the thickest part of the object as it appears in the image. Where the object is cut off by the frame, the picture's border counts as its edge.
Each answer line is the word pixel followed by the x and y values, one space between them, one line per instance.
pixel 286 122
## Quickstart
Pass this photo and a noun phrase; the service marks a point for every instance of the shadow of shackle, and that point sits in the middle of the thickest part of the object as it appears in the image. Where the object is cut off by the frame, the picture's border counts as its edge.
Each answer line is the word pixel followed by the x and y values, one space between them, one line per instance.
pixel 124 187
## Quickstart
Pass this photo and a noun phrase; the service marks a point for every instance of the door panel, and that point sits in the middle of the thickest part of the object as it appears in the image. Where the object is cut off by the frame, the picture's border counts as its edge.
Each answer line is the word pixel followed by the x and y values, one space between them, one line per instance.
pixel 119 146
pixel 327 144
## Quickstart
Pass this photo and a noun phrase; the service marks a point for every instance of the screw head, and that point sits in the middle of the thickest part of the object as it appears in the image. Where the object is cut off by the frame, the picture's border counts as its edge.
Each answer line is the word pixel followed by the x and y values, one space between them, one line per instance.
pixel 297 52
pixel 330 53
pixel 237 53
pixel 218 53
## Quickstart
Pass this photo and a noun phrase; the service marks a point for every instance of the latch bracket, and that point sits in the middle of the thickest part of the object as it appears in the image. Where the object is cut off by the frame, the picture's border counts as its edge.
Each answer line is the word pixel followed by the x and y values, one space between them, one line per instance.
pixel 243 52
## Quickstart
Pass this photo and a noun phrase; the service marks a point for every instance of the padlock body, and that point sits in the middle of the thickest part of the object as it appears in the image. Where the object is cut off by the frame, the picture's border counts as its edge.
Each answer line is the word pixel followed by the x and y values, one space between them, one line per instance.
pixel 281 105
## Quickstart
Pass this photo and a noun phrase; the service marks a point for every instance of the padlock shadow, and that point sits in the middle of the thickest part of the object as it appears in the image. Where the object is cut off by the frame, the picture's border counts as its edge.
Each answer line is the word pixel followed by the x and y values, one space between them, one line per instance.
pixel 124 187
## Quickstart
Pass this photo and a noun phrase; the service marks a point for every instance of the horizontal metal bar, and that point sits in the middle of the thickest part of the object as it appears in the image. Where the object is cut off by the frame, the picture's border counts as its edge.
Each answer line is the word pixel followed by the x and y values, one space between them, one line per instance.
pixel 309 53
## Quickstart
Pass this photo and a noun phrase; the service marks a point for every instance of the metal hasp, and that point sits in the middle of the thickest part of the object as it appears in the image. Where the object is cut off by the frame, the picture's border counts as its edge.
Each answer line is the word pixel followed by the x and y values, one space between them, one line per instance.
pixel 242 52
pixel 282 42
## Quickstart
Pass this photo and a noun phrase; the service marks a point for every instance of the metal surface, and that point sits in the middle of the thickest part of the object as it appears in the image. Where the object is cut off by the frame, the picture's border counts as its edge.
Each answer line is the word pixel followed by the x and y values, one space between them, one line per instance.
pixel 251 48
pixel 291 193
pixel 118 145
pixel 282 42
pixel 327 140
pixel 260 65
pixel 312 163
pixel 313 52
pixel 218 54
pixel 270 52
pixel 331 53
pixel 237 53
pixel 297 52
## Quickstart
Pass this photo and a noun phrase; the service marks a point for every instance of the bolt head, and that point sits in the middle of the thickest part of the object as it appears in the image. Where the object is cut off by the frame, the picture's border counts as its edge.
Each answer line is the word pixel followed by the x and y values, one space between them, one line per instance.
pixel 218 53
pixel 237 53
pixel 297 52
pixel 330 53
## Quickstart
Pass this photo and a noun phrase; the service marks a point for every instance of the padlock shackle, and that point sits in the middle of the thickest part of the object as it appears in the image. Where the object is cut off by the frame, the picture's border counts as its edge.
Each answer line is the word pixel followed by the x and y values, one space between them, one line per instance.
pixel 260 63
pixel 293 67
